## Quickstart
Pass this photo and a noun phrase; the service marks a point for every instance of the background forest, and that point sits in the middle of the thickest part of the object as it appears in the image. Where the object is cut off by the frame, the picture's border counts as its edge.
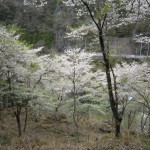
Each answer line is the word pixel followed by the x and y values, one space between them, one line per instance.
pixel 74 74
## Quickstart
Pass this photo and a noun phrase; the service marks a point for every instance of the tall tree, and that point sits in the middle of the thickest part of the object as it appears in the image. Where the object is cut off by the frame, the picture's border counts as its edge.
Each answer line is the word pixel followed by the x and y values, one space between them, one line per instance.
pixel 18 73
pixel 72 77
pixel 105 15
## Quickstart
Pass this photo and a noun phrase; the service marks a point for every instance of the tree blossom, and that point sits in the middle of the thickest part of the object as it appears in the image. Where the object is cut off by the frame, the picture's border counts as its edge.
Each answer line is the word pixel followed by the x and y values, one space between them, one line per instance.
pixel 37 3
pixel 18 63
pixel 118 14
pixel 141 39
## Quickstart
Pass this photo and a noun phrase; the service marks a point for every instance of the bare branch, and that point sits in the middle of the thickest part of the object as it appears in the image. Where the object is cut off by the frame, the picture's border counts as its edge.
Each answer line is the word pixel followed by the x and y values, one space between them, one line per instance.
pixel 103 23
pixel 143 96
pixel 89 10
pixel 148 3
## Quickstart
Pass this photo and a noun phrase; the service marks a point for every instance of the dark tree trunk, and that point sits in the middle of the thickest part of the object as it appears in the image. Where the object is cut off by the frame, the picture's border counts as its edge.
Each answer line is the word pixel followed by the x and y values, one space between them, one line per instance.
pixel 113 100
pixel 19 125
pixel 26 118
pixel 76 125
pixel 0 110
pixel 17 113
pixel 117 127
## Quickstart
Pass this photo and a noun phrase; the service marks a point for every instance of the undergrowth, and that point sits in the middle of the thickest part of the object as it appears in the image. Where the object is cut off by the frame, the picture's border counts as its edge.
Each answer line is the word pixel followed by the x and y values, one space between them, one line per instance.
pixel 50 134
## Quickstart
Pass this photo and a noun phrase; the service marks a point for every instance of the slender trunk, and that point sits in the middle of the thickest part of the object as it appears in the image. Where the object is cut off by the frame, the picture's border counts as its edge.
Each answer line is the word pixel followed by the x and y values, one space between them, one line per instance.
pixel 141 48
pixel 75 107
pixel 148 49
pixel 117 127
pixel 142 127
pixel 0 110
pixel 17 113
pixel 26 118
pixel 113 103
pixel 143 122
pixel 76 123
pixel 19 125
pixel 130 118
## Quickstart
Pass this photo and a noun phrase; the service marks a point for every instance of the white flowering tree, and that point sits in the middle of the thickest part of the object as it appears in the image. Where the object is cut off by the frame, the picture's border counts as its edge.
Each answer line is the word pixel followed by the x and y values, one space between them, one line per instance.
pixel 19 73
pixel 133 80
pixel 37 3
pixel 141 39
pixel 114 13
pixel 104 16
pixel 69 79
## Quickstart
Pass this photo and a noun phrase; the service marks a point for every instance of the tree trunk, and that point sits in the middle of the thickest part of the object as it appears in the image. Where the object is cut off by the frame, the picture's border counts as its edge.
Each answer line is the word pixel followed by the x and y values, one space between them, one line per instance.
pixel 113 104
pixel 112 100
pixel 141 49
pixel 0 110
pixel 131 118
pixel 26 118
pixel 17 113
pixel 19 125
pixel 76 125
pixel 75 107
pixel 117 127
pixel 148 50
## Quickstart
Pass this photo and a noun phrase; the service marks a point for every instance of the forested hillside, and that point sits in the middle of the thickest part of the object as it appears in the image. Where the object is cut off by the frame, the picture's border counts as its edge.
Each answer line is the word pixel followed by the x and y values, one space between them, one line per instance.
pixel 47 25
pixel 75 74
pixel 44 25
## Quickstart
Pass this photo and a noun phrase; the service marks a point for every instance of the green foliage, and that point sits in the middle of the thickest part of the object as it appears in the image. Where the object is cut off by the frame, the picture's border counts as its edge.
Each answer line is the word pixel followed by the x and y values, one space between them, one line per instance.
pixel 111 148
pixel 34 38
pixel 5 140
pixel 147 60
pixel 97 65
pixel 2 82
pixel 106 8
pixel 34 66
pixel 87 100
pixel 114 60
pixel 16 29
pixel 122 12
pixel 122 31
pixel 12 27
pixel 124 79
pixel 127 30
pixel 143 27
pixel 43 20
pixel 146 141
pixel 7 11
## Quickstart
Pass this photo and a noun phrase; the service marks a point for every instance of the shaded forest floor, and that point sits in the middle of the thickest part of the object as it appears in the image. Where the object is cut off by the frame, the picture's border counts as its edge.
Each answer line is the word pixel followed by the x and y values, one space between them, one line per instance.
pixel 51 133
